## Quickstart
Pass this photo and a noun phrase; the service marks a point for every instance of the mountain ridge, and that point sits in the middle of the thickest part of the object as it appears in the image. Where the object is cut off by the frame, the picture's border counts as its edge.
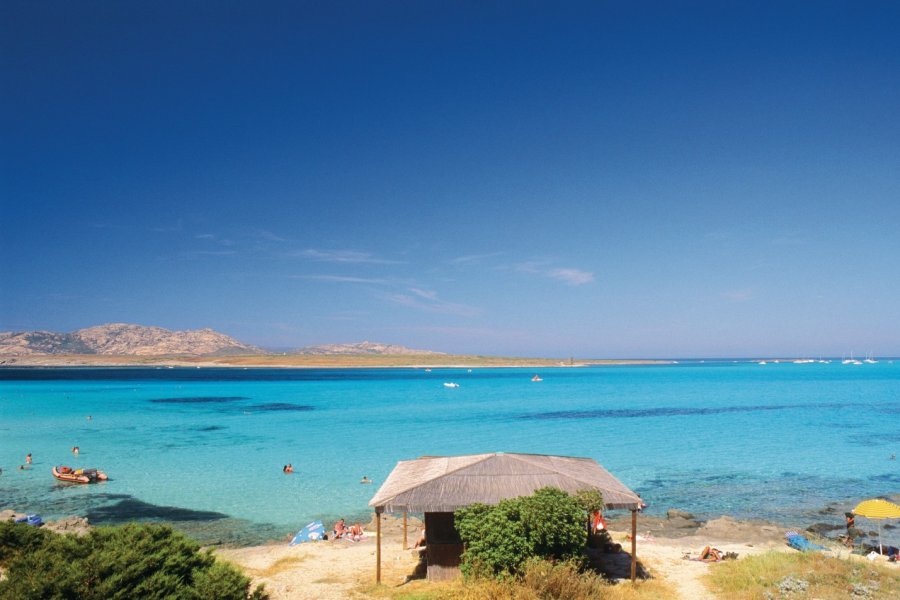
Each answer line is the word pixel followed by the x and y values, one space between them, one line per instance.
pixel 124 339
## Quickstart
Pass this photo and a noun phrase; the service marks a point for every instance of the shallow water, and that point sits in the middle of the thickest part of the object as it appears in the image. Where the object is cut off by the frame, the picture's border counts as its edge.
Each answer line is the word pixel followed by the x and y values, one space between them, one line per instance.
pixel 204 448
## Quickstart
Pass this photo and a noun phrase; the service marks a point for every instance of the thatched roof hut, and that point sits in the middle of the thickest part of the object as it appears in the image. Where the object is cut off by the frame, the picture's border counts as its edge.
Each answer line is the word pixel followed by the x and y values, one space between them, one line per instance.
pixel 446 483
pixel 438 485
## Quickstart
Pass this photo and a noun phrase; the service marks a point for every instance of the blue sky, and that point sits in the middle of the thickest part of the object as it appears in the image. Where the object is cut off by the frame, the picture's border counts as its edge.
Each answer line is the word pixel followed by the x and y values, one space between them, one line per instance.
pixel 604 179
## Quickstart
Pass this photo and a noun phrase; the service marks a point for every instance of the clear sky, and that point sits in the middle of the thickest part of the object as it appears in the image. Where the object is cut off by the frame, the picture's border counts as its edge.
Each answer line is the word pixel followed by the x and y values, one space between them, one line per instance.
pixel 599 179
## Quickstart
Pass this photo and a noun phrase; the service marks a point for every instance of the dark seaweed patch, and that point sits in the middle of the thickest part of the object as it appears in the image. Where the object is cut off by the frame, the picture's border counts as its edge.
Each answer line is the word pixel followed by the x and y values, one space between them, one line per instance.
pixel 874 440
pixel 132 509
pixel 198 400
pixel 633 413
pixel 209 428
pixel 886 478
pixel 281 406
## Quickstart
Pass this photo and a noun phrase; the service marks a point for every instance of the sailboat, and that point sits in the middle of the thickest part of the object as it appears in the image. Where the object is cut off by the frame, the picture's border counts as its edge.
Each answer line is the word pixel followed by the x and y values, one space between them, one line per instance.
pixel 850 361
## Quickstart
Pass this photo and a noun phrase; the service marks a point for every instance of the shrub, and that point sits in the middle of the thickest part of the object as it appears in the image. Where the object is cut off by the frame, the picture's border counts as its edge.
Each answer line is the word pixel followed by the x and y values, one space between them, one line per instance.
pixel 16 538
pixel 500 539
pixel 131 561
pixel 495 537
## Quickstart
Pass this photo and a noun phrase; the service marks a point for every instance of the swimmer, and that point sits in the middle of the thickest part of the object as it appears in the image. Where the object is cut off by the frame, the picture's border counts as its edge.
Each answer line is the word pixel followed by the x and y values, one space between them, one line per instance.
pixel 288 468
pixel 90 418
pixel 28 458
pixel 365 480
pixel 75 450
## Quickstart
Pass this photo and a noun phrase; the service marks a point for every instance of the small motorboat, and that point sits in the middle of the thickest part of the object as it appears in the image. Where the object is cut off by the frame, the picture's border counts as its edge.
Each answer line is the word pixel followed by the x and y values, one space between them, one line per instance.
pixel 450 384
pixel 536 378
pixel 71 475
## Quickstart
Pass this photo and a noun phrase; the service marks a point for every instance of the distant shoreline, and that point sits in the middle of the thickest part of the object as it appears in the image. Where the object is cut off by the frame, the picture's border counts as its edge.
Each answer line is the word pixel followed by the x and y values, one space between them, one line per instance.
pixel 308 361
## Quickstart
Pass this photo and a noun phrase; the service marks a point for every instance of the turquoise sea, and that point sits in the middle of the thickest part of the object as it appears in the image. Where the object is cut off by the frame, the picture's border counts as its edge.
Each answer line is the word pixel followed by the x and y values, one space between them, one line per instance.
pixel 204 448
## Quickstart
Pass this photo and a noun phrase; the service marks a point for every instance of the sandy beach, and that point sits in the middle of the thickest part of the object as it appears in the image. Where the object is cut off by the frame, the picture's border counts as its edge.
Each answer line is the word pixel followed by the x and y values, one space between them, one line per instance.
pixel 339 569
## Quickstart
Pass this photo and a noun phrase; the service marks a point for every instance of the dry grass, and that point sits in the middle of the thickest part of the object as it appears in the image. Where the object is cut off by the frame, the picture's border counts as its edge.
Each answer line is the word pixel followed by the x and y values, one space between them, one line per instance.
pixel 802 575
pixel 279 566
pixel 542 581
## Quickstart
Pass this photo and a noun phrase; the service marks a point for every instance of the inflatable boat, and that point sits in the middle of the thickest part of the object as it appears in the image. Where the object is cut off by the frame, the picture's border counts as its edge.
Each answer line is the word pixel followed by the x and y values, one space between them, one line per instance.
pixel 71 475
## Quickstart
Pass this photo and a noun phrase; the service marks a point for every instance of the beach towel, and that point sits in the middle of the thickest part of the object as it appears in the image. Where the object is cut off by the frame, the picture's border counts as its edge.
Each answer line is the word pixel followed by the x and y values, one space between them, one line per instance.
pixel 799 542
pixel 310 533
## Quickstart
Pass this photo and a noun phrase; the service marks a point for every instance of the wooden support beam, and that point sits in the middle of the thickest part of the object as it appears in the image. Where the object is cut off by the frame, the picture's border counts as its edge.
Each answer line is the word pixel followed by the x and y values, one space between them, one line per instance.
pixel 404 530
pixel 633 545
pixel 377 545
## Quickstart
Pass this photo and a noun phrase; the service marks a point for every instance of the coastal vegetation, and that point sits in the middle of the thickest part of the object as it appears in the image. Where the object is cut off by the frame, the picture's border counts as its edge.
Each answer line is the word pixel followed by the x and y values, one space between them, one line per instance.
pixel 539 580
pixel 802 575
pixel 129 561
pixel 501 540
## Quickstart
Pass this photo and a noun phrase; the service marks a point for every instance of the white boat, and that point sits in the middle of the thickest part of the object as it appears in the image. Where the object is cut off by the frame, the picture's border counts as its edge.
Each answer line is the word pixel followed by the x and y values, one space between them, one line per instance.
pixel 450 384
pixel 536 378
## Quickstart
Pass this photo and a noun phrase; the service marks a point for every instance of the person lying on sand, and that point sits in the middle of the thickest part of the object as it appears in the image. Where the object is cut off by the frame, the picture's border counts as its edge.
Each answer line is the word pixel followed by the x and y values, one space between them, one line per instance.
pixel 355 532
pixel 710 554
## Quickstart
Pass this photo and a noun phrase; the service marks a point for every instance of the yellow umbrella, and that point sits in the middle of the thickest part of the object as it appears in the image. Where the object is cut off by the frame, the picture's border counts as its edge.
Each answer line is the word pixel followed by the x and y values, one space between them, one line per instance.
pixel 877 509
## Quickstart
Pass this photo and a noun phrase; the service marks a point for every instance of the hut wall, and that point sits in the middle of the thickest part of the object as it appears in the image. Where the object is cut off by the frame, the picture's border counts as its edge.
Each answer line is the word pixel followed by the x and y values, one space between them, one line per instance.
pixel 443 548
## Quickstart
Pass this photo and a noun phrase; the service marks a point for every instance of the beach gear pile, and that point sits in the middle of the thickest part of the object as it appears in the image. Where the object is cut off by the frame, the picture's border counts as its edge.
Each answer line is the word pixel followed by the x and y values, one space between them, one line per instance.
pixel 34 520
pixel 799 542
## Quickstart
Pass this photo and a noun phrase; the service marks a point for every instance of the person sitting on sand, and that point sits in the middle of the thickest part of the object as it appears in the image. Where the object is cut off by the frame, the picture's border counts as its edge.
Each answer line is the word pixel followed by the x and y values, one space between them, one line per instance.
pixel 339 531
pixel 420 543
pixel 355 532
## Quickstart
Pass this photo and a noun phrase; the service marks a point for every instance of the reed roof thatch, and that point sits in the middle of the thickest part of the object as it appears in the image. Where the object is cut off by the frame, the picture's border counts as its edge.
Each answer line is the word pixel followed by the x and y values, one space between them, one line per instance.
pixel 446 483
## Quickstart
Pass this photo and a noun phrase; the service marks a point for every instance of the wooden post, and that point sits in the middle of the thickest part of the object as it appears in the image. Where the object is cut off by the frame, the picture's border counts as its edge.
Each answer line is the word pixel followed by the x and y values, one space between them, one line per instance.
pixel 404 530
pixel 378 545
pixel 633 545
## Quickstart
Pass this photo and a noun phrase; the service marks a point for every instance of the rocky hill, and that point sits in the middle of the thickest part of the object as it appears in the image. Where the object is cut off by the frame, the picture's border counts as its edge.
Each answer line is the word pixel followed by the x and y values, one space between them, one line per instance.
pixel 123 340
pixel 362 348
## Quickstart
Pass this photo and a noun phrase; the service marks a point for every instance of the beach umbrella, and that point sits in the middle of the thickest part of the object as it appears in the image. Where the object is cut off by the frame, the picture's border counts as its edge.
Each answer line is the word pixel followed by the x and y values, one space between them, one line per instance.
pixel 878 510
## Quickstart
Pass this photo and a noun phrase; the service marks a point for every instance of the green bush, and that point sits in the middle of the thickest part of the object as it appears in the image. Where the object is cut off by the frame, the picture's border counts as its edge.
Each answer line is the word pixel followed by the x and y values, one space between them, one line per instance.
pixel 499 539
pixel 131 561
pixel 17 538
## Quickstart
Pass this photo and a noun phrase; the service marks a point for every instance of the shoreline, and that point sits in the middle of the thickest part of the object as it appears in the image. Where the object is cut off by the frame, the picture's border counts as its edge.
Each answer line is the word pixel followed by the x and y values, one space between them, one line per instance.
pixel 337 569
pixel 299 361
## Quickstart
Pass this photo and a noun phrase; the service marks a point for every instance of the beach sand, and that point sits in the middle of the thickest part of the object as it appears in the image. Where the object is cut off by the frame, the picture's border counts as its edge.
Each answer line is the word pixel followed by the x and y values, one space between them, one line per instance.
pixel 330 570
pixel 339 569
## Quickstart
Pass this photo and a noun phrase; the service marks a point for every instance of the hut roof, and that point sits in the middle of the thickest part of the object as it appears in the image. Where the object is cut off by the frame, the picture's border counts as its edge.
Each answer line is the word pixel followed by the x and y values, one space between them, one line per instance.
pixel 446 483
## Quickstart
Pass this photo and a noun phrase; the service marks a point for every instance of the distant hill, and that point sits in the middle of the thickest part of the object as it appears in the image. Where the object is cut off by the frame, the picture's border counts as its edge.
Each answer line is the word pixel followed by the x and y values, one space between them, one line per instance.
pixel 362 348
pixel 124 340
